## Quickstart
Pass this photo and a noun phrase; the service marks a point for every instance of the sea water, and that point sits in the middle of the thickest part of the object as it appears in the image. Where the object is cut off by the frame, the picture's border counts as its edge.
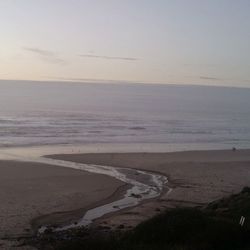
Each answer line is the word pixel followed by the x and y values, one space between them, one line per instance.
pixel 63 113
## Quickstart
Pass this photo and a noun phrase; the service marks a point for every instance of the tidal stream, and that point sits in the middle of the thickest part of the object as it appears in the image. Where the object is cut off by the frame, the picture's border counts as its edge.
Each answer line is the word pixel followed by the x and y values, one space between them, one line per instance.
pixel 143 185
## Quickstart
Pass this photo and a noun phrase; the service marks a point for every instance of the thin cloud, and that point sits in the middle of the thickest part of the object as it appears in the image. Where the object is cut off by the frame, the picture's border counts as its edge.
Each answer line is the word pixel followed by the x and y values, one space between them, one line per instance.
pixel 109 57
pixel 210 78
pixel 210 65
pixel 45 55
pixel 41 52
pixel 87 80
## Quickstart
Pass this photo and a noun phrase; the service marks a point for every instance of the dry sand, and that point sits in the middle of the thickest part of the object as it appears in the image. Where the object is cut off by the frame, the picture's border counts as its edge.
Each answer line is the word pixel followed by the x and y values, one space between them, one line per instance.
pixel 196 177
pixel 29 190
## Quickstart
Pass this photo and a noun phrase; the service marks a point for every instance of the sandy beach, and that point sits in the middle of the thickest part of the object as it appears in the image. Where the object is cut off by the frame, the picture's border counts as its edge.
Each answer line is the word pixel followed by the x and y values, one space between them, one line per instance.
pixel 30 190
pixel 196 178
pixel 34 194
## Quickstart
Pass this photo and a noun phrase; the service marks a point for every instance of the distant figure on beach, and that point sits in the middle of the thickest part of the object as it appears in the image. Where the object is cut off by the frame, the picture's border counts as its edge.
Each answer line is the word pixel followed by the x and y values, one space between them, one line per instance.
pixel 233 149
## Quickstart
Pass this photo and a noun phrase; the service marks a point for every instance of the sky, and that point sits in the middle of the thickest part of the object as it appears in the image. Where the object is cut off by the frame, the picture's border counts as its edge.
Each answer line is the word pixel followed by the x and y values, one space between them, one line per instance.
pixel 162 41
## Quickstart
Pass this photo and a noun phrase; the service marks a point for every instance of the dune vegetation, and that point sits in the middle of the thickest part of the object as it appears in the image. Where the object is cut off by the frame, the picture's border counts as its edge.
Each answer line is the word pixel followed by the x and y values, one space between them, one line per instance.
pixel 213 227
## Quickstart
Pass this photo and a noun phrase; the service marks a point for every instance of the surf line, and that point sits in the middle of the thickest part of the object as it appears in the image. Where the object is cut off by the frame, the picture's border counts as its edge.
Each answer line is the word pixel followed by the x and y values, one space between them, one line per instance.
pixel 143 185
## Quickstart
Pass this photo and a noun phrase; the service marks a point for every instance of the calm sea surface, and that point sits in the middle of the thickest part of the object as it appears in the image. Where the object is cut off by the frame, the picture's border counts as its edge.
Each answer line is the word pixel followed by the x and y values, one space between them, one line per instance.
pixel 46 113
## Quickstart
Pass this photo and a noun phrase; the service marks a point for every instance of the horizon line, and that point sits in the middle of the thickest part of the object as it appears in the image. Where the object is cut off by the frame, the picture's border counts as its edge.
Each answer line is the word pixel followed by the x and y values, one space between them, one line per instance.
pixel 120 82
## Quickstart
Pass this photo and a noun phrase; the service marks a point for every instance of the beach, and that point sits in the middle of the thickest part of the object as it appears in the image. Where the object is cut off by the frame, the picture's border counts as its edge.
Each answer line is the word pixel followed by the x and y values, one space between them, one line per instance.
pixel 31 190
pixel 196 178
pixel 34 194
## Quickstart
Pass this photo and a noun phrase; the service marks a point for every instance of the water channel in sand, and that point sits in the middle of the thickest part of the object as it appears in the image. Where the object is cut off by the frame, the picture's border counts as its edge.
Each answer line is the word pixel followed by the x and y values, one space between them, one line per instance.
pixel 143 185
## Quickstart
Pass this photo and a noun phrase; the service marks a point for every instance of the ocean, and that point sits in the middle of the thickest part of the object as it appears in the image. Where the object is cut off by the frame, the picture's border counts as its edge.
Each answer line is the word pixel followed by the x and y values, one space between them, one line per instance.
pixel 65 113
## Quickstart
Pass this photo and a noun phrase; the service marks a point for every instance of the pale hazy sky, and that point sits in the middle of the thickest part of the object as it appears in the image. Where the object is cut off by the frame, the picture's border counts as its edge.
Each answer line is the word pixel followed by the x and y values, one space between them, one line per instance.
pixel 160 41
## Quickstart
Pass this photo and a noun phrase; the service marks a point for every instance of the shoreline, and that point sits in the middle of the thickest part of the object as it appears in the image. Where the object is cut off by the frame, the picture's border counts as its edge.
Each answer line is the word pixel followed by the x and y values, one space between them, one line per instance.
pixel 17 152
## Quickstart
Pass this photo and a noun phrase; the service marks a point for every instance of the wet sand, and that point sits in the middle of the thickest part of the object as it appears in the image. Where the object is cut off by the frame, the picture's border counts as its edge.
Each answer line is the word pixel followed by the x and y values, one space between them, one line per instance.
pixel 197 177
pixel 30 190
